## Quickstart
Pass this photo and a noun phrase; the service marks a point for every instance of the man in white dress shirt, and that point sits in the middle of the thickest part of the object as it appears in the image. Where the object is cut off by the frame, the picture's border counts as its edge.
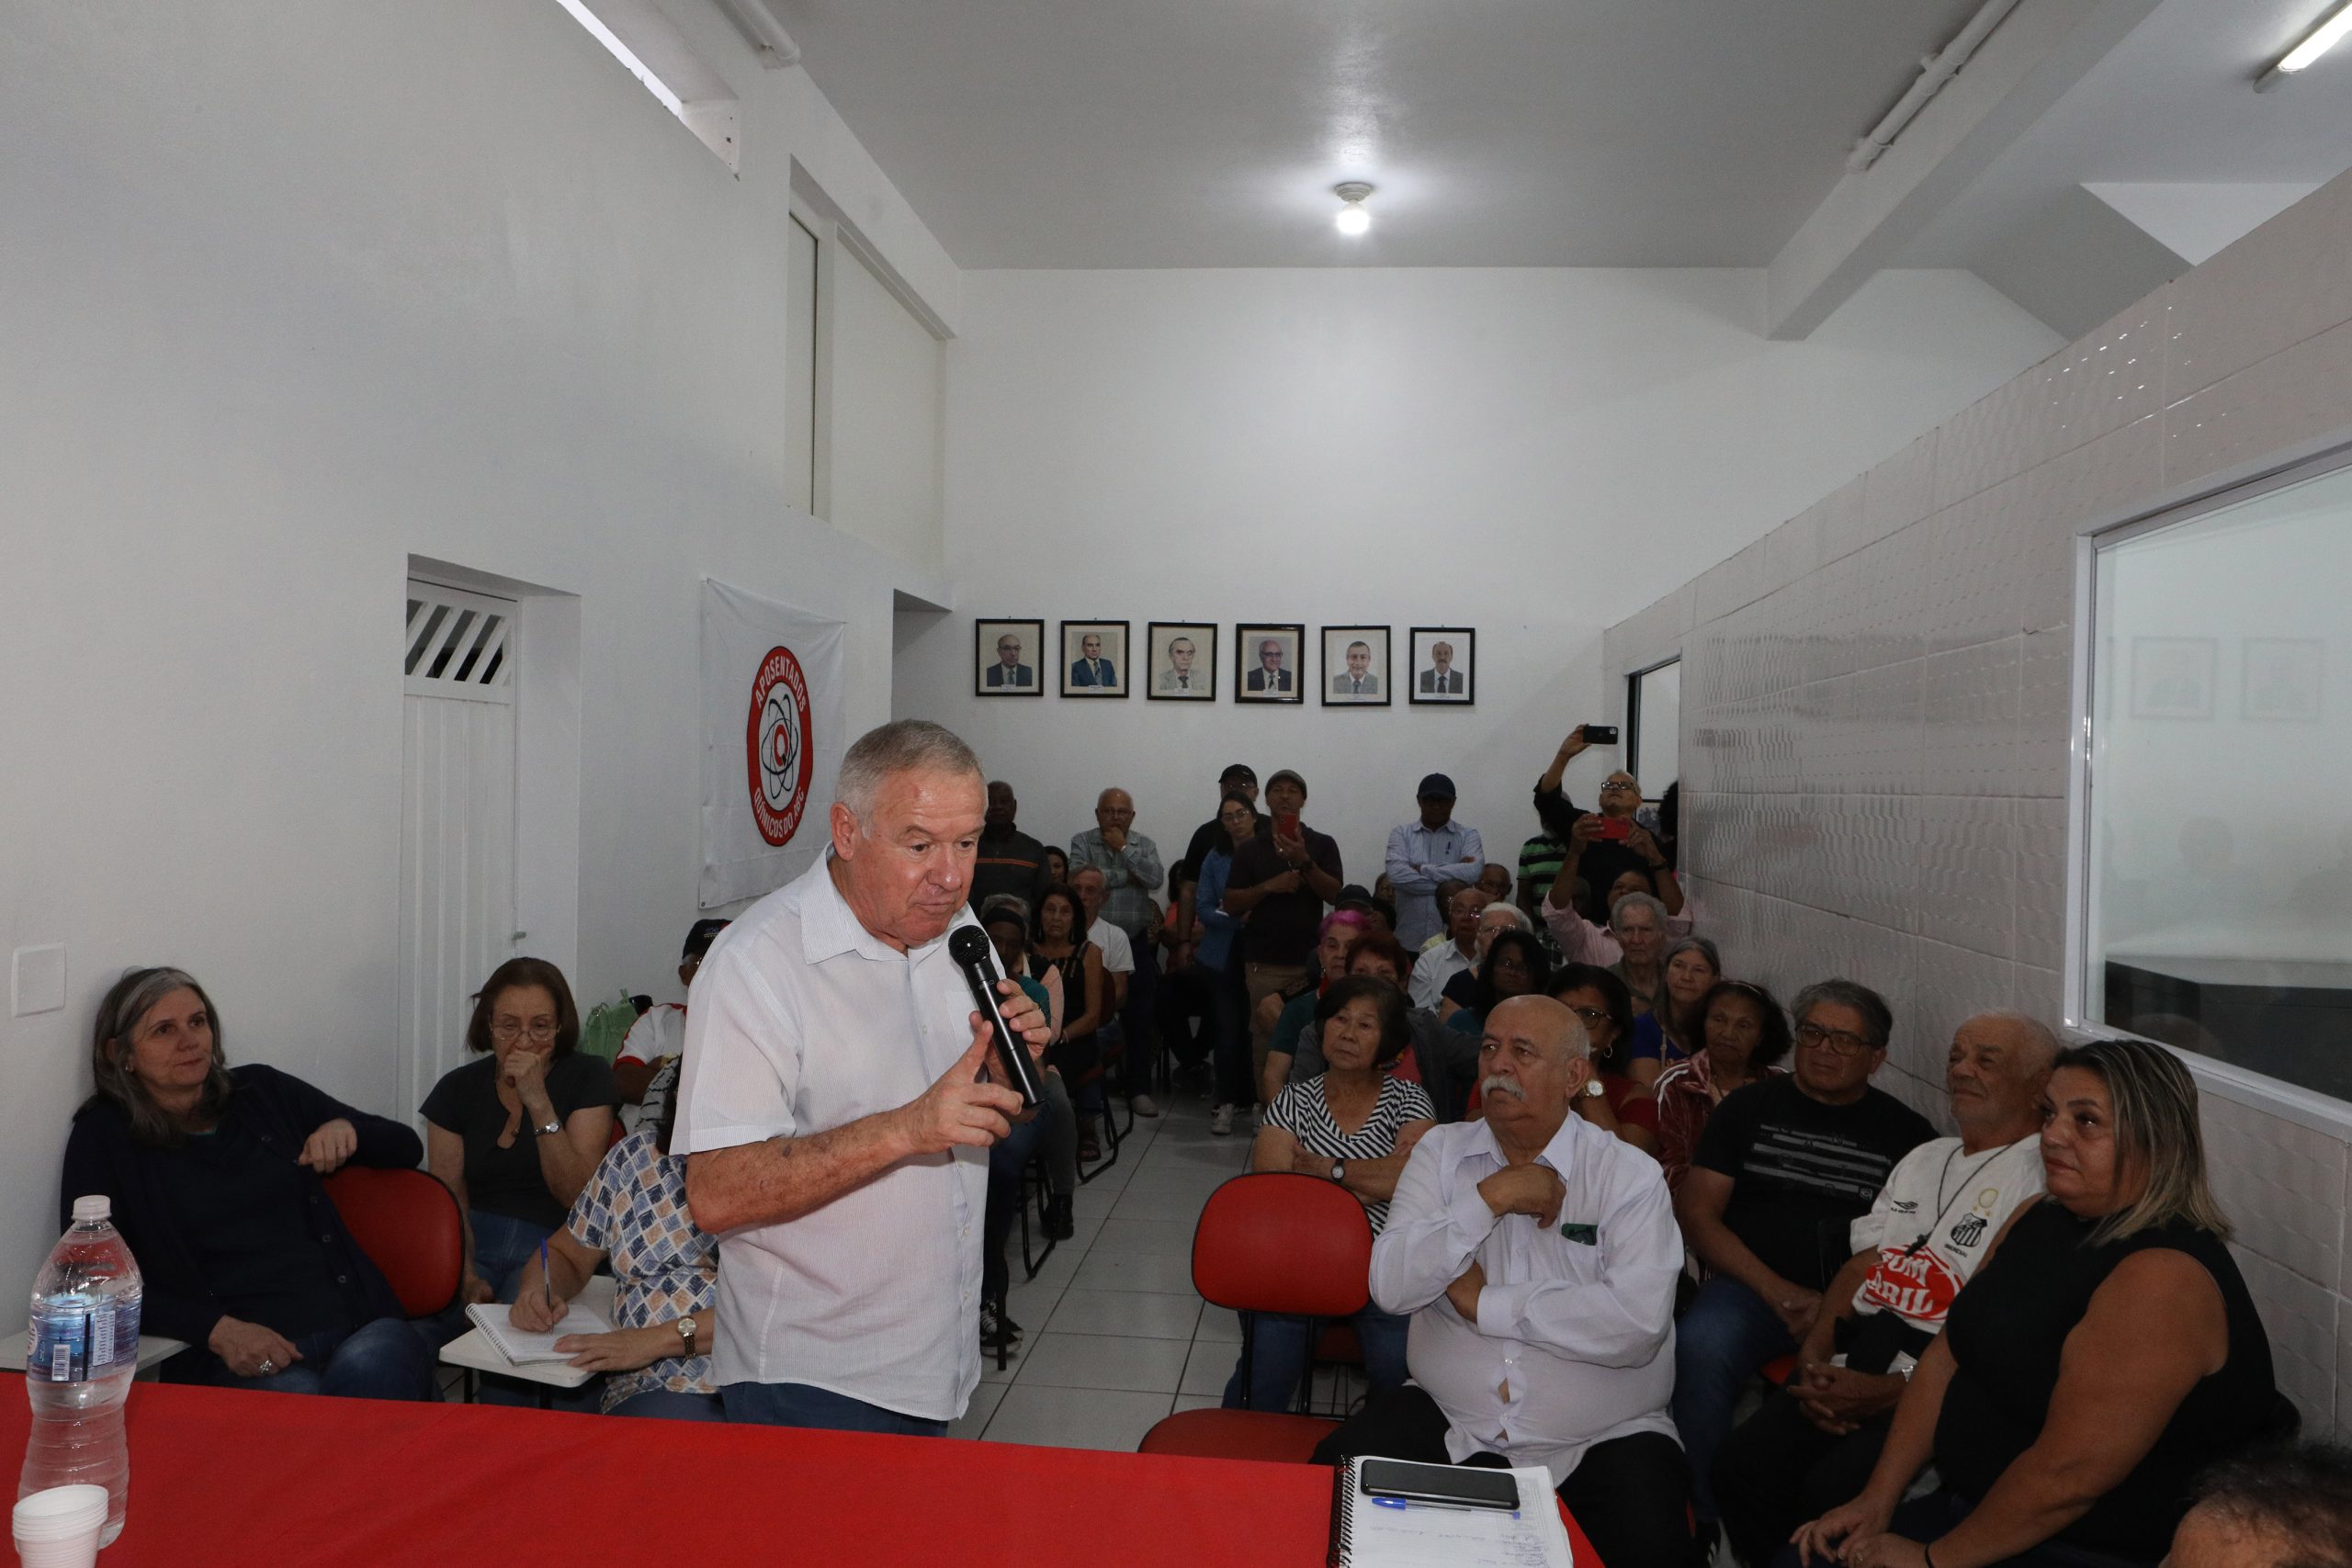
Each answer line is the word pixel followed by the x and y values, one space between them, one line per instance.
pixel 1537 1256
pixel 835 1134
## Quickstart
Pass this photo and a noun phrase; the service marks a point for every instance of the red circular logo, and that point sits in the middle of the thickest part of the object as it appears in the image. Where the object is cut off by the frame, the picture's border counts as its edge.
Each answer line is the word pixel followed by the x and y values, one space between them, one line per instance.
pixel 778 746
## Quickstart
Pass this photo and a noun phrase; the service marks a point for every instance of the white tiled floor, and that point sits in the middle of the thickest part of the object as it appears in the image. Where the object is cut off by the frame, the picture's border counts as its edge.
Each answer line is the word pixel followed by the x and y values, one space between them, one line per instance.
pixel 1114 1336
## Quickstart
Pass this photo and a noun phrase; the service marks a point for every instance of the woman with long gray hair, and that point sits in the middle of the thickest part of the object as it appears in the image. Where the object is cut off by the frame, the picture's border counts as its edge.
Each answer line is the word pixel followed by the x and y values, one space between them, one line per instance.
pixel 2105 1352
pixel 215 1177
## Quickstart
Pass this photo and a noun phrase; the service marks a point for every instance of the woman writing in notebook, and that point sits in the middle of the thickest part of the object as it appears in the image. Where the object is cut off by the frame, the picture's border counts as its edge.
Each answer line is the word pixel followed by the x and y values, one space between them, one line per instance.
pixel 634 1210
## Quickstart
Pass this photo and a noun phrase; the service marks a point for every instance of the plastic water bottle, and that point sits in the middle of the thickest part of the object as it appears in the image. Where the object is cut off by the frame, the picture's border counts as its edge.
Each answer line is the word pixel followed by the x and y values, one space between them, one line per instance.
pixel 81 1354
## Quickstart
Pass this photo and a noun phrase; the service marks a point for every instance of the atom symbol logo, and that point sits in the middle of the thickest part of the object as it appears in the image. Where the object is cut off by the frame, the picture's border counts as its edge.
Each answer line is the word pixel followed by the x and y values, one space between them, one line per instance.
pixel 778 746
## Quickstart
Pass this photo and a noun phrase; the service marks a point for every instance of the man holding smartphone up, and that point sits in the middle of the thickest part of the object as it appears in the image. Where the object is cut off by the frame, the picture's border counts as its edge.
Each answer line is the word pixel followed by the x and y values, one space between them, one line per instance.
pixel 1602 845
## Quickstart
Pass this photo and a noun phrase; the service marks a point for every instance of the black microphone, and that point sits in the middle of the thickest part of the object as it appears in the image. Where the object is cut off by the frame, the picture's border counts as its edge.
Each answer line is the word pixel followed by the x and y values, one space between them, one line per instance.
pixel 976 956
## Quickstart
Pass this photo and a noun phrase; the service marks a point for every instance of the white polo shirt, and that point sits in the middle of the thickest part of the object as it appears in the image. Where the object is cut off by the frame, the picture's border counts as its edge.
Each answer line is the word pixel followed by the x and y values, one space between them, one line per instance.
pixel 804 1020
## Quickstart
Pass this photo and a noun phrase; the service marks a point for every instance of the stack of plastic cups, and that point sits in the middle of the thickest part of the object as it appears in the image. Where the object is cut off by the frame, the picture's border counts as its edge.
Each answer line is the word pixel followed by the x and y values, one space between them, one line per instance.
pixel 60 1528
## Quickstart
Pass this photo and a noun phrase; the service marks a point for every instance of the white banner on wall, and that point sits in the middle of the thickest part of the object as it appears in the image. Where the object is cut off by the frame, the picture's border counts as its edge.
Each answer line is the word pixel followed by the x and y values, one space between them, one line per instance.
pixel 772 741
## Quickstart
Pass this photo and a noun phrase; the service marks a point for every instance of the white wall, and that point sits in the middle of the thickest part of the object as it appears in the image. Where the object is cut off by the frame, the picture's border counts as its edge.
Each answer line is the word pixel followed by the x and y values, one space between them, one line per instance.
pixel 289 293
pixel 1877 709
pixel 1532 453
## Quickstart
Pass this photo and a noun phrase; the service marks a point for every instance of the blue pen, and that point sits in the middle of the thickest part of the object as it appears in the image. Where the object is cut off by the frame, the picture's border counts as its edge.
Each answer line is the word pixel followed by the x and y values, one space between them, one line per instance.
pixel 546 1280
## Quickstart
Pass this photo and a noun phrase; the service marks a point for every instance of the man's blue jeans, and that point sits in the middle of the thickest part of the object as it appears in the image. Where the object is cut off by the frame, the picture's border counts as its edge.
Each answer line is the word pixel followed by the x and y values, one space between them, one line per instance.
pixel 799 1404
pixel 1728 1332
pixel 1279 1350
pixel 383 1360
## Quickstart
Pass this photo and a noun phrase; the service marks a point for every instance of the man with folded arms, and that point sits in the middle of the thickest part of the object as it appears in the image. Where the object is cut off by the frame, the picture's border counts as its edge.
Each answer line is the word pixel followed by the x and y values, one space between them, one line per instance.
pixel 835 1131
pixel 1537 1256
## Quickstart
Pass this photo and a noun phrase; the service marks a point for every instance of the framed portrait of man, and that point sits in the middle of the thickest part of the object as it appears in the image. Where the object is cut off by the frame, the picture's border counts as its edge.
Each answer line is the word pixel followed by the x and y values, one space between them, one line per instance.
pixel 1184 661
pixel 1355 667
pixel 1444 665
pixel 1006 658
pixel 1267 663
pixel 1094 659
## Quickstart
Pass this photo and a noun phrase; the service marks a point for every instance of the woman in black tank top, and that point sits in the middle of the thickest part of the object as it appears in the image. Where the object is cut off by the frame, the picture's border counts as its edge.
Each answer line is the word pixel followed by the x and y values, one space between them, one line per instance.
pixel 2105 1352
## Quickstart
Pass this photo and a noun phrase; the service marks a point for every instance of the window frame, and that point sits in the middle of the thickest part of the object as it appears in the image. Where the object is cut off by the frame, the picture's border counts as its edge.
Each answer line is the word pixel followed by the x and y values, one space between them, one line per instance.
pixel 2225 1080
pixel 1632 749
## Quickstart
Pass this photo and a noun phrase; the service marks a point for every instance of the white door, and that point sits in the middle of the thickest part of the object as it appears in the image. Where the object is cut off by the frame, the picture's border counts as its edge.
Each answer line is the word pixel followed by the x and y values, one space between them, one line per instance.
pixel 457 823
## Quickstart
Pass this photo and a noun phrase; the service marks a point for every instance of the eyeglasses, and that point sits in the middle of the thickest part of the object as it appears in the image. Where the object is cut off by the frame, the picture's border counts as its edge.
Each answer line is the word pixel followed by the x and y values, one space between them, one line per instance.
pixel 542 1031
pixel 1590 1015
pixel 1620 789
pixel 1844 1043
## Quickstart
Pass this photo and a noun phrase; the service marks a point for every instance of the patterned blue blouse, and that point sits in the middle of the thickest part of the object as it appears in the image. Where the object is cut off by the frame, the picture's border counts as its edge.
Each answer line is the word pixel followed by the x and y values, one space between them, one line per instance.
pixel 634 1208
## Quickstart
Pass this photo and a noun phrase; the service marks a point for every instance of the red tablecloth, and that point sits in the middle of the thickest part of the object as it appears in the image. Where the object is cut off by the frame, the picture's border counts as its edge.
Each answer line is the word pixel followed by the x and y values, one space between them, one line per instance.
pixel 277 1481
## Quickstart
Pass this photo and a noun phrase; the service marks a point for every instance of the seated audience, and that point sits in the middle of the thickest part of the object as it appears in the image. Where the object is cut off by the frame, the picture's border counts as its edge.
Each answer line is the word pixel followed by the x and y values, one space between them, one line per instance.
pixel 1217 951
pixel 1783 1169
pixel 1341 930
pixel 516 1134
pixel 1582 941
pixel 1638 922
pixel 1692 965
pixel 1443 1061
pixel 1743 1035
pixel 1064 960
pixel 1354 1123
pixel 1537 1257
pixel 1624 1108
pixel 1455 950
pixel 1493 921
pixel 645 1070
pixel 2278 1508
pixel 214 1175
pixel 1611 845
pixel 1007 922
pixel 1813 1444
pixel 1514 966
pixel 1494 881
pixel 656 1360
pixel 2103 1354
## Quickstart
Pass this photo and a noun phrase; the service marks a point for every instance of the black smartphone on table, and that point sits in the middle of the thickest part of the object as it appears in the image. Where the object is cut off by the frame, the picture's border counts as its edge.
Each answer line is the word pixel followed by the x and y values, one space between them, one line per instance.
pixel 1450 1486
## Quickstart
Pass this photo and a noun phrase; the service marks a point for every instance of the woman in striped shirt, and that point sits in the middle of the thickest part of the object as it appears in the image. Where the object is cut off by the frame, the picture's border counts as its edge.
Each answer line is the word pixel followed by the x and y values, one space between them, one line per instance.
pixel 1355 1125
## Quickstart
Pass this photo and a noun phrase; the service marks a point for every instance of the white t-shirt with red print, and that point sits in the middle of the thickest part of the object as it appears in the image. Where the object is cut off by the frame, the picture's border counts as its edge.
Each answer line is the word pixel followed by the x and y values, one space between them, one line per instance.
pixel 1933 1221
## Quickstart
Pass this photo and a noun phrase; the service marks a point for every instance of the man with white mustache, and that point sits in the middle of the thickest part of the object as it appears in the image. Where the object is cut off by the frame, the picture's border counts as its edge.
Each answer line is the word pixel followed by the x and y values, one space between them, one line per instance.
pixel 1537 1256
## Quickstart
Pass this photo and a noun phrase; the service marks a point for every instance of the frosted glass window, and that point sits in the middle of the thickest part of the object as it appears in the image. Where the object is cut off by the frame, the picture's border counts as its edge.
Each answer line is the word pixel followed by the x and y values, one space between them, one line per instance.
pixel 1653 750
pixel 2218 878
pixel 800 367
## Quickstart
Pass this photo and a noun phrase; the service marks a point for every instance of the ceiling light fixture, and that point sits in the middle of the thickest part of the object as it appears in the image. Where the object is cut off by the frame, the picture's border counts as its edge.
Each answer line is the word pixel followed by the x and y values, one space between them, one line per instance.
pixel 1353 219
pixel 2321 38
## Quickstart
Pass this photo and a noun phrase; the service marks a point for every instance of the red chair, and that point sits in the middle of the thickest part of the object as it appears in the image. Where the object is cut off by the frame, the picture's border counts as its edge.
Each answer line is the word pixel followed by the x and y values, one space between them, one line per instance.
pixel 408 1226
pixel 1295 1245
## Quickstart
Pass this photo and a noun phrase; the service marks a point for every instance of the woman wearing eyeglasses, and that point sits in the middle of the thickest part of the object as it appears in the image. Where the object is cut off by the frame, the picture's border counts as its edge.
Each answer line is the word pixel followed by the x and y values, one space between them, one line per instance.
pixel 516 1134
pixel 1624 1107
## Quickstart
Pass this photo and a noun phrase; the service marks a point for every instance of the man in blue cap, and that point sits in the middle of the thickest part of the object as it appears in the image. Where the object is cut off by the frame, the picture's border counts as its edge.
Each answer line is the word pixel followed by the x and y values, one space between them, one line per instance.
pixel 1425 852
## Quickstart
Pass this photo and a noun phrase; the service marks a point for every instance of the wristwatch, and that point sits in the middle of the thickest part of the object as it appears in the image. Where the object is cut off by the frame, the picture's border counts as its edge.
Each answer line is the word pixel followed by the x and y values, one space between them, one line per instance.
pixel 1339 1170
pixel 554 1125
pixel 686 1329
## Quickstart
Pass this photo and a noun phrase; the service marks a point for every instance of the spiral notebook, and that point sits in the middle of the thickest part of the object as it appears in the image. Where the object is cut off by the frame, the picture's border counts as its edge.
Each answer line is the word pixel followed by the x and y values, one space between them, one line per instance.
pixel 1379 1532
pixel 522 1348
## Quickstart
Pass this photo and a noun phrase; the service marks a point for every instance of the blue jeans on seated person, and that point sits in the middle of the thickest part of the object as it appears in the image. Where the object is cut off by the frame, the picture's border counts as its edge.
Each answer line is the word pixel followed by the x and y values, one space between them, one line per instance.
pixel 383 1360
pixel 668 1405
pixel 1719 1343
pixel 1279 1350
pixel 801 1404
pixel 1924 1518
pixel 502 1245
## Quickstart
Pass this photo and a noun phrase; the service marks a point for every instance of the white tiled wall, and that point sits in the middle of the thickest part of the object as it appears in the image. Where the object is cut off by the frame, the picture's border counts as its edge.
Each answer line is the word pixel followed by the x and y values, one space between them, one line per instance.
pixel 1877 701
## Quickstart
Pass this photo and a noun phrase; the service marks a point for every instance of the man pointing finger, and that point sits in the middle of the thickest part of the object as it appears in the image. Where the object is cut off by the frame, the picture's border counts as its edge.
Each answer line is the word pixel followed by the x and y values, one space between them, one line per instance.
pixel 832 1111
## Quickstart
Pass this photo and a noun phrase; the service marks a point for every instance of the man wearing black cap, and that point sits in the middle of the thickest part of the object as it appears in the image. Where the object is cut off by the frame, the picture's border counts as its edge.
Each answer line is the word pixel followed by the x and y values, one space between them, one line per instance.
pixel 1425 852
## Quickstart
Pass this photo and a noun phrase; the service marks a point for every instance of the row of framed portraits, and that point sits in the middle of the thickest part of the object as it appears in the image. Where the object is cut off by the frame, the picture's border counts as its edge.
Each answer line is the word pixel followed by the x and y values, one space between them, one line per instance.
pixel 1178 662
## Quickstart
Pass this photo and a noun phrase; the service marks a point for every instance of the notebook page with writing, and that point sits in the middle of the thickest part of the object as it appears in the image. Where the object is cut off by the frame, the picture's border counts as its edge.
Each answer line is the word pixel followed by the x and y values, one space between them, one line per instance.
pixel 1368 1533
pixel 525 1349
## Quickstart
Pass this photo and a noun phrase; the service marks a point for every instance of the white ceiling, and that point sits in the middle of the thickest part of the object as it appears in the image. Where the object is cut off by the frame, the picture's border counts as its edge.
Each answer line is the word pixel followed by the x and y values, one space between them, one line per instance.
pixel 2173 104
pixel 1169 133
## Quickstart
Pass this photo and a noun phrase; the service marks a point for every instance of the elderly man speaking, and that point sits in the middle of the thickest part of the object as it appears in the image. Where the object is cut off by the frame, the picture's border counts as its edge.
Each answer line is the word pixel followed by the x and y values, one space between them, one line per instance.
pixel 1537 1255
pixel 835 1131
